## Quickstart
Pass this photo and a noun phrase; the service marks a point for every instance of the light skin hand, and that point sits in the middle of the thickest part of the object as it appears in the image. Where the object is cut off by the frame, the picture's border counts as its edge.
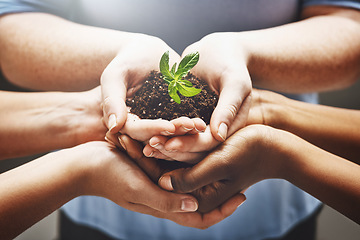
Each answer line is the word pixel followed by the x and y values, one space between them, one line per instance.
pixel 193 148
pixel 222 65
pixel 125 74
pixel 109 168
pixel 263 52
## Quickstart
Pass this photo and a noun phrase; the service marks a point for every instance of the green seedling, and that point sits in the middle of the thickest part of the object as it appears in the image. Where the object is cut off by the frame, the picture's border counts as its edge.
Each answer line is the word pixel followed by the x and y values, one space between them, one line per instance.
pixel 174 77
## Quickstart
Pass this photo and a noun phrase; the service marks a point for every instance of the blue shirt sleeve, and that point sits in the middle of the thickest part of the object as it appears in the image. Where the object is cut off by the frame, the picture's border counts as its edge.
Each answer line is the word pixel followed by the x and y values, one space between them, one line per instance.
pixel 340 3
pixel 56 7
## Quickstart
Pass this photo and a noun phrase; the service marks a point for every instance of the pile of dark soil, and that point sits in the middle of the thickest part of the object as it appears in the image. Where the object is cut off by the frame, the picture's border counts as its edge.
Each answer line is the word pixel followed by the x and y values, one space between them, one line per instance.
pixel 152 100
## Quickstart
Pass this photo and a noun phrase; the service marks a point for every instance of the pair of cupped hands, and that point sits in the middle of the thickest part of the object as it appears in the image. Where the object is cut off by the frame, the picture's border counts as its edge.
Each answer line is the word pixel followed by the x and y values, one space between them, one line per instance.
pixel 198 172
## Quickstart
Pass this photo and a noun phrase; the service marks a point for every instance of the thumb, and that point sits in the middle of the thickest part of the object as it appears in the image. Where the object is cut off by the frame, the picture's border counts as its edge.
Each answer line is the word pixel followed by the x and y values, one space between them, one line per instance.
pixel 230 111
pixel 167 202
pixel 113 99
pixel 186 180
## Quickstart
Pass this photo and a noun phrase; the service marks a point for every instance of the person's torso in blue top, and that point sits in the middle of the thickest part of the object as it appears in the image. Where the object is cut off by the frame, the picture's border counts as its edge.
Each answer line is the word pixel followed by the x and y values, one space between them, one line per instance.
pixel 272 206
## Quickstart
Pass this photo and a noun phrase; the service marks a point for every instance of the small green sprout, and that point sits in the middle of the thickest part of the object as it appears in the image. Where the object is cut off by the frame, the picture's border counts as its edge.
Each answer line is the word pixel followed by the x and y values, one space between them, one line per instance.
pixel 174 76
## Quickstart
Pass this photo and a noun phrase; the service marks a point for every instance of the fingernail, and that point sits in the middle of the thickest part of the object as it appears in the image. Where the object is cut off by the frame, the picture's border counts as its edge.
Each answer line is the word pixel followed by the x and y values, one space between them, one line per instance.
pixel 187 129
pixel 197 130
pixel 222 132
pixel 109 141
pixel 112 121
pixel 188 205
pixel 241 204
pixel 122 143
pixel 151 154
pixel 165 183
pixel 166 133
pixel 154 145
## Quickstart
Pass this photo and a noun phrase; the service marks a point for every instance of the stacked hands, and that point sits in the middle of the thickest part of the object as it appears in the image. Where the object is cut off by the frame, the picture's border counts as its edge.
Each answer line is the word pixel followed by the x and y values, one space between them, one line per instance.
pixel 182 170
pixel 203 171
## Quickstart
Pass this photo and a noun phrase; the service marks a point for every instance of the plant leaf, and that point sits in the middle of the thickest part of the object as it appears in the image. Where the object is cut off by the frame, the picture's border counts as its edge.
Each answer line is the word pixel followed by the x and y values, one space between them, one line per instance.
pixel 188 91
pixel 185 82
pixel 166 79
pixel 172 89
pixel 164 66
pixel 186 64
pixel 173 69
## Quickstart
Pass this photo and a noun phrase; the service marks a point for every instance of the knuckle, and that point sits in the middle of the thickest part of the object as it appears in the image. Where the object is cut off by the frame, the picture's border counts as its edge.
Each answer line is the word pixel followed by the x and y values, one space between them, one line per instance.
pixel 183 181
pixel 106 103
pixel 166 205
pixel 231 110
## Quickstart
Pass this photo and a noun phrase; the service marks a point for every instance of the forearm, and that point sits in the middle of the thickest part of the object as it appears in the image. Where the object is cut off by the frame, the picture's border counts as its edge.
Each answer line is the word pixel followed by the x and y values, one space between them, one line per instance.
pixel 45 52
pixel 32 191
pixel 330 178
pixel 333 129
pixel 319 53
pixel 39 122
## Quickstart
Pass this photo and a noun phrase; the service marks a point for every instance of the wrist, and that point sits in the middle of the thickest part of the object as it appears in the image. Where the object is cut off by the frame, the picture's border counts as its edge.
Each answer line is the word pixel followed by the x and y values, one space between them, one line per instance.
pixel 285 154
pixel 272 146
pixel 275 109
pixel 78 118
pixel 93 162
pixel 263 145
pixel 78 167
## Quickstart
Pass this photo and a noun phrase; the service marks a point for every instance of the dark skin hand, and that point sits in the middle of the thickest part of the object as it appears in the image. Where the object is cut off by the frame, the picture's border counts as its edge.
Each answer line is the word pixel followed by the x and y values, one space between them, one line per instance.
pixel 209 197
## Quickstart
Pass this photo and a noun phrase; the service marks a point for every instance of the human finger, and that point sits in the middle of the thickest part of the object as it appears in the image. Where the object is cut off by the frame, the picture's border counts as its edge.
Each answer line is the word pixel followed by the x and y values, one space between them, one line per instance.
pixel 160 152
pixel 234 90
pixel 113 90
pixel 201 142
pixel 209 170
pixel 144 129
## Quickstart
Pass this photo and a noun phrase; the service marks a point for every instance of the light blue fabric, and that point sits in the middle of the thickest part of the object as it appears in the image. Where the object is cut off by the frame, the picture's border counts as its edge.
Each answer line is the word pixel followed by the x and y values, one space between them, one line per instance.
pixel 271 209
pixel 272 206
pixel 340 3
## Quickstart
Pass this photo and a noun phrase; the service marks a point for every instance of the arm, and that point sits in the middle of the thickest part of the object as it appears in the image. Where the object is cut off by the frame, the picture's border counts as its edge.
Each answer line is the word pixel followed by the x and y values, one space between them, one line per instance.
pixel 34 190
pixel 333 129
pixel 318 53
pixel 259 152
pixel 56 120
pixel 62 55
pixel 52 120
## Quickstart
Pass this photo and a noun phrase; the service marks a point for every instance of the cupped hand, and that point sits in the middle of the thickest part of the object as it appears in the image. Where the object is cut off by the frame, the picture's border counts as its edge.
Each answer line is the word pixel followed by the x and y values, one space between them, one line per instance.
pixel 223 65
pixel 110 173
pixel 242 160
pixel 192 148
pixel 125 74
pixel 155 168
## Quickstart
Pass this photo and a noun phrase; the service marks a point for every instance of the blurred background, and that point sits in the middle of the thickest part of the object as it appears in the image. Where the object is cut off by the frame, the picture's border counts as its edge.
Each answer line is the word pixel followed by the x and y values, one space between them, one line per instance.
pixel 331 224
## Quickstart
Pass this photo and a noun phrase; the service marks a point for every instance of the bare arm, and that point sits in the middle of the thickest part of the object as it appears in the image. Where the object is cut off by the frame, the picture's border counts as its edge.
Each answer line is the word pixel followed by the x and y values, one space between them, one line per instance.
pixel 333 129
pixel 259 152
pixel 319 53
pixel 39 122
pixel 34 190
pixel 45 52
